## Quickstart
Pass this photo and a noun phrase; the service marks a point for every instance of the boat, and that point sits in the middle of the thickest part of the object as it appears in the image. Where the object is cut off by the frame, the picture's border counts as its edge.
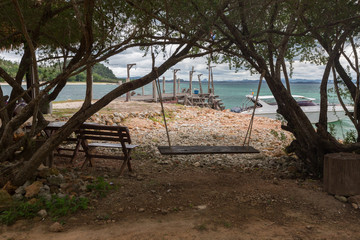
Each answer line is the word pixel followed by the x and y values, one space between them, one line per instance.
pixel 267 107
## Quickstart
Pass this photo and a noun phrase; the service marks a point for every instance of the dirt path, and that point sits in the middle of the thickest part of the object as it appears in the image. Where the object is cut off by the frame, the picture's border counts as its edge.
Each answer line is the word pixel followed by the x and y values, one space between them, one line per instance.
pixel 185 202
pixel 200 197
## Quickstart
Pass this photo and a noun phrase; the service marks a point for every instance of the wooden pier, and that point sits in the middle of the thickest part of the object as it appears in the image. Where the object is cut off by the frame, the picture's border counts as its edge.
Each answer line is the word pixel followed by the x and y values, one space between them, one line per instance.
pixel 201 100
pixel 188 97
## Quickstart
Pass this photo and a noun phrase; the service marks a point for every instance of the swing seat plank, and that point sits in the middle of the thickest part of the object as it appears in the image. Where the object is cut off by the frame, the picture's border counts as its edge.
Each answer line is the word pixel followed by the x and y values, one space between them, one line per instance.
pixel 187 150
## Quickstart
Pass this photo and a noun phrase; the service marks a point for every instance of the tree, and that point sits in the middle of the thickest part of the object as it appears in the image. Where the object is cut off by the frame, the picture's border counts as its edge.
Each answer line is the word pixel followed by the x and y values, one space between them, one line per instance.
pixel 262 36
pixel 267 34
pixel 77 33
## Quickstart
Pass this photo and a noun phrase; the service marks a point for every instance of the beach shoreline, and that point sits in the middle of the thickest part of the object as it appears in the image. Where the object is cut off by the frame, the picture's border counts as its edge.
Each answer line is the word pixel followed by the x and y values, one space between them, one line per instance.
pixel 69 83
pixel 187 125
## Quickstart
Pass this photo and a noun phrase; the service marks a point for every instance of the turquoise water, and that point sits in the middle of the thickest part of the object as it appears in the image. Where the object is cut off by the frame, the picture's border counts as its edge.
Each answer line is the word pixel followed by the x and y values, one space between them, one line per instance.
pixel 232 94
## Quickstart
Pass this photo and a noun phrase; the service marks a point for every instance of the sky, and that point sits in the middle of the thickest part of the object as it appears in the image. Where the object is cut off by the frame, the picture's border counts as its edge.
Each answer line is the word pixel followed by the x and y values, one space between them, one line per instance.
pixel 221 72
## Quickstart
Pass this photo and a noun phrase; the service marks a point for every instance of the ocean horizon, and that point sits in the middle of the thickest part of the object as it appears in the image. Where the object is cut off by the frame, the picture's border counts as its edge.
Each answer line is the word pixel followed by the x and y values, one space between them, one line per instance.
pixel 232 93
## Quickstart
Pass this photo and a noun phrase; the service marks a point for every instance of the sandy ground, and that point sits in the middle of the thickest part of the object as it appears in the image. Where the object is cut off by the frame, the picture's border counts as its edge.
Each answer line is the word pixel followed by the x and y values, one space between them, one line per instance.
pixel 199 197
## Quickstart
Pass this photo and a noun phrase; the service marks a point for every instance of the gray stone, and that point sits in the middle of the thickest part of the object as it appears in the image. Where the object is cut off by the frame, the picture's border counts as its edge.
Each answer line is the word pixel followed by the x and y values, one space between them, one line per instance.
pixel 17 197
pixel 341 198
pixel 197 164
pixel 56 227
pixel 42 213
pixel 45 195
pixel 56 179
pixel 61 195
pixel 355 206
pixel 20 190
pixel 201 207
pixel 27 183
pixel 354 199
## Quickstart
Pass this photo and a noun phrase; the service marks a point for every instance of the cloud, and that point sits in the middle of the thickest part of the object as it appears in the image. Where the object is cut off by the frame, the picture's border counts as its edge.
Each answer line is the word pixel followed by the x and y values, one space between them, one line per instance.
pixel 221 72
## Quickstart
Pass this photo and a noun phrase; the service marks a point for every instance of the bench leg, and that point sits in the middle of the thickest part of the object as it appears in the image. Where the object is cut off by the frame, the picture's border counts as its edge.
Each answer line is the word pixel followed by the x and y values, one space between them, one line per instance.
pixel 87 159
pixel 123 165
pixel 129 165
pixel 75 151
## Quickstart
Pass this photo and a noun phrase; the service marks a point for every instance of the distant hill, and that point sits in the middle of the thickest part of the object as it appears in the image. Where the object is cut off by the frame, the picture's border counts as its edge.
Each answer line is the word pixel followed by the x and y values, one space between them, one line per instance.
pixel 101 73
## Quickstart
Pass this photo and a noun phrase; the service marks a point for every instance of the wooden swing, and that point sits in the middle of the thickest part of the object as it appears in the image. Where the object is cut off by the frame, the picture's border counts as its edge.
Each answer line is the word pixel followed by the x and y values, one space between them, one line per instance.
pixel 189 150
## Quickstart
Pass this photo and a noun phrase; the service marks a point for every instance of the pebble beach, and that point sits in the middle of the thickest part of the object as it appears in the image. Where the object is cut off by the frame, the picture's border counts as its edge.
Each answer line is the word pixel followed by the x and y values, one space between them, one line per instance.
pixel 195 126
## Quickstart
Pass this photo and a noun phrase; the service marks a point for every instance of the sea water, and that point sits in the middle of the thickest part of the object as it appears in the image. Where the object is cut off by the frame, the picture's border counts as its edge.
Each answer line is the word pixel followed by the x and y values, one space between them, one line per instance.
pixel 232 94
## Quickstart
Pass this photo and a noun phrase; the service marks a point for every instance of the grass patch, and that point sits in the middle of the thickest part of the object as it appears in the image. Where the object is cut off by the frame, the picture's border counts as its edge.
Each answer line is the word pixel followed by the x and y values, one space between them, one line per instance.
pixel 56 207
pixel 65 112
pixel 201 227
pixel 100 187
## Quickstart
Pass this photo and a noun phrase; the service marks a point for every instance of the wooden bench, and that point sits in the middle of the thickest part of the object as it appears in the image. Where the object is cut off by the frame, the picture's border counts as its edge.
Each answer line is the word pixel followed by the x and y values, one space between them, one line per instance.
pixel 94 135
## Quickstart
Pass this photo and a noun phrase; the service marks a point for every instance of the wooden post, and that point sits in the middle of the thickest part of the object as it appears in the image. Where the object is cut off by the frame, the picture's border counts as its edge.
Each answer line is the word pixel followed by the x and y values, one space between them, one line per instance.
pixel 212 80
pixel 178 85
pixel 201 91
pixel 128 67
pixel 174 85
pixel 163 84
pixel 190 79
pixel 154 92
pixel 209 78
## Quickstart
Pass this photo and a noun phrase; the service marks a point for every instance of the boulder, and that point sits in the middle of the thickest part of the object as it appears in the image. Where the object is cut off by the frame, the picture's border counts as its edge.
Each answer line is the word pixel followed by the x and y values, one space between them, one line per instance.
pixel 33 189
pixel 56 227
pixel 5 199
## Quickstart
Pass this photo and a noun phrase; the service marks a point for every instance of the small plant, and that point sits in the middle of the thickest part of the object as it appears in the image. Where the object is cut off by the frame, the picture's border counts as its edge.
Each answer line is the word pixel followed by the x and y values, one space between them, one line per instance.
pixel 201 227
pixel 227 225
pixel 281 137
pixel 274 133
pixel 100 187
pixel 56 207
pixel 350 137
pixel 59 207
pixel 20 210
pixel 331 129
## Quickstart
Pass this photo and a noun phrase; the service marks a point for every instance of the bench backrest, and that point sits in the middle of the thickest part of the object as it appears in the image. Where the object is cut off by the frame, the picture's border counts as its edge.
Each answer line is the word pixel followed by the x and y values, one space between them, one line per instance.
pixel 91 131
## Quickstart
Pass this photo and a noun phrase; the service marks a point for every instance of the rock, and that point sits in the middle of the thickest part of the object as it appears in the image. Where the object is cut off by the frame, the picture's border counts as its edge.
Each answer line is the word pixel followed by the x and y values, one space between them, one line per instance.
pixel 197 164
pixel 27 183
pixel 341 198
pixel 55 179
pixel 9 187
pixel 61 195
pixel 45 195
pixel 141 209
pixel 117 120
pixel 56 227
pixel 5 199
pixel 42 213
pixel 355 206
pixel 17 197
pixel 42 167
pixel 354 199
pixel 33 189
pixel 20 190
pixel 32 201
pixel 201 207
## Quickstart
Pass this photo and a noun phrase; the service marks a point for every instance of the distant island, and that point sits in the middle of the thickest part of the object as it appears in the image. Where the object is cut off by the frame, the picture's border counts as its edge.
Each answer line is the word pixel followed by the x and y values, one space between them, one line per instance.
pixel 101 73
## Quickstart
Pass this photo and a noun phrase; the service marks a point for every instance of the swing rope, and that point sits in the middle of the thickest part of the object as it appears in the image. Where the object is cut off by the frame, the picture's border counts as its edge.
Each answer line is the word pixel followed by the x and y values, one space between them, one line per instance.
pixel 249 130
pixel 157 83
